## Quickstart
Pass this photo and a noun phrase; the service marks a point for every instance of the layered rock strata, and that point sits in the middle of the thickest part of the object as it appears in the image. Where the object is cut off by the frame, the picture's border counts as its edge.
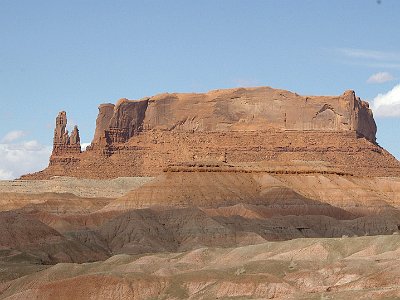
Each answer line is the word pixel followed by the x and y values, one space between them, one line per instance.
pixel 66 147
pixel 63 142
pixel 142 137
pixel 342 268
pixel 234 110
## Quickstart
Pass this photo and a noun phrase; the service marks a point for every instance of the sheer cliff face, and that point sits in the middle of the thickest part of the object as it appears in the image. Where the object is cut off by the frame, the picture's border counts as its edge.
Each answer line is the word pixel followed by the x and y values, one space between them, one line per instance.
pixel 106 112
pixel 362 118
pixel 117 124
pixel 234 110
pixel 256 109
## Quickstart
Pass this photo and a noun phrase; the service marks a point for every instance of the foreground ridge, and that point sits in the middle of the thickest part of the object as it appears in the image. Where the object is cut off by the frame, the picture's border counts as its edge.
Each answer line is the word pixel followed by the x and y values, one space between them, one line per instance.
pixel 339 268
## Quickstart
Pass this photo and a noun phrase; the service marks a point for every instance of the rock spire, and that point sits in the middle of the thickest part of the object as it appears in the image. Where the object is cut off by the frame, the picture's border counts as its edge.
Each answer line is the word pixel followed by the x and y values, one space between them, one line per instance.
pixel 63 143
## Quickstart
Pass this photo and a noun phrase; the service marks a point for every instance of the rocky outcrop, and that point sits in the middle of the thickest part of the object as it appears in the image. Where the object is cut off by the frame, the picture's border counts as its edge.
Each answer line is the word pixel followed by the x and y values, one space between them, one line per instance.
pixel 233 110
pixel 255 109
pixel 102 122
pixel 362 120
pixel 117 124
pixel 66 147
pixel 142 137
pixel 63 143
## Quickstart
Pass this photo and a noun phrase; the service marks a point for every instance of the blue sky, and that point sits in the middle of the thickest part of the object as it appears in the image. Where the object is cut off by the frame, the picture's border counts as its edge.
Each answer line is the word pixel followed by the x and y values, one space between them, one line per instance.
pixel 73 55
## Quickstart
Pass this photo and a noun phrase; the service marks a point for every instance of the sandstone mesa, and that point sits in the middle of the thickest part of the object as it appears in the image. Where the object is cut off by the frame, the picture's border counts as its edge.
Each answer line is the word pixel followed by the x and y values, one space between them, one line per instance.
pixel 234 126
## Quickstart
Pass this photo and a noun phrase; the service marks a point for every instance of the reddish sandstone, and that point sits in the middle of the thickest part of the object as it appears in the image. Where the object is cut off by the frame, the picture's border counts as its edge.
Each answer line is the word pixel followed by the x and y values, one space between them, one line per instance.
pixel 252 125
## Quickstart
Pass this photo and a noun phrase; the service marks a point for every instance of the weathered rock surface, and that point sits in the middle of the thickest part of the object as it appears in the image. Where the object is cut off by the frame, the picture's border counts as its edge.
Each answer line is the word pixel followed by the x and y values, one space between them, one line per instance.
pixel 235 110
pixel 24 238
pixel 342 268
pixel 196 208
pixel 89 188
pixel 185 209
pixel 141 138
pixel 106 112
pixel 320 193
pixel 63 143
pixel 66 147
pixel 258 109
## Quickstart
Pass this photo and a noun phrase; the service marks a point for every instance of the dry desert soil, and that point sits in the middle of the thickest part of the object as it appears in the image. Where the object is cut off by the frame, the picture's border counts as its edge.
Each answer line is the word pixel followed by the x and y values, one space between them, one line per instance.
pixel 250 236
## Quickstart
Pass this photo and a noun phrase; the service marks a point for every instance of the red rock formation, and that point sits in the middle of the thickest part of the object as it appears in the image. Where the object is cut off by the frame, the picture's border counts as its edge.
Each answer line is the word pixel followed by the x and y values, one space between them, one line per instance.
pixel 106 112
pixel 362 120
pixel 74 139
pixel 66 148
pixel 233 110
pixel 255 109
pixel 141 138
pixel 60 135
pixel 117 124
pixel 63 143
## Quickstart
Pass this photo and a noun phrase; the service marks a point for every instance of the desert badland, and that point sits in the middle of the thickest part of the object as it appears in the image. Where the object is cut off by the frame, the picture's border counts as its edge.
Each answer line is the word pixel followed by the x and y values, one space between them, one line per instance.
pixel 246 193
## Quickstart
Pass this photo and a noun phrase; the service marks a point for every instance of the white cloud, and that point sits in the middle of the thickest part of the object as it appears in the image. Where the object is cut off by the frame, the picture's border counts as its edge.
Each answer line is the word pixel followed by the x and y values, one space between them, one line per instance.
pixel 370 58
pixel 5 175
pixel 380 77
pixel 385 65
pixel 20 158
pixel 13 136
pixel 387 105
pixel 370 54
pixel 84 145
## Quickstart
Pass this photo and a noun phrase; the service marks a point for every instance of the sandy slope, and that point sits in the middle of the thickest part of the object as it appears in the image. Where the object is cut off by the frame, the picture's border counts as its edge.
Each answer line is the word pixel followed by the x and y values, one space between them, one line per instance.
pixel 357 195
pixel 89 188
pixel 225 221
pixel 359 268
